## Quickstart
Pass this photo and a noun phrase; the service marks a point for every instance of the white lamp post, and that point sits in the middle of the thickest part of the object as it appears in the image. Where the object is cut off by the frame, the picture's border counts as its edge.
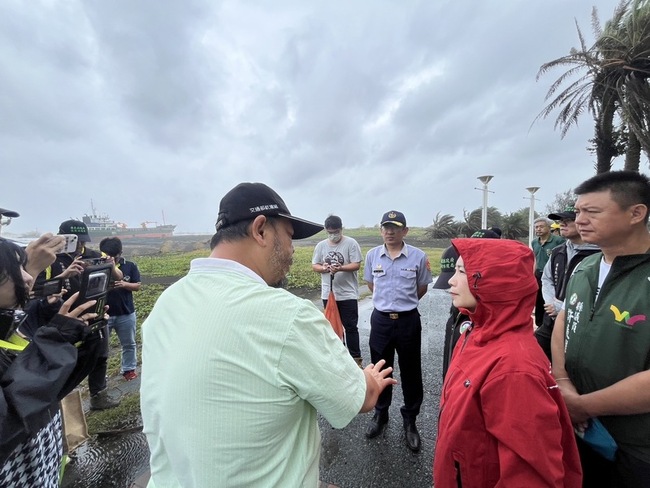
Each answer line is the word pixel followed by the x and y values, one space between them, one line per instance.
pixel 485 180
pixel 531 214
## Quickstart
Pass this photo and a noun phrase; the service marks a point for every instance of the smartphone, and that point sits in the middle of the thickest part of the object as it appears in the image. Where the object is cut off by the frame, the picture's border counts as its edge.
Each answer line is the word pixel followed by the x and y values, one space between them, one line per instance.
pixel 70 244
pixel 49 287
pixel 95 281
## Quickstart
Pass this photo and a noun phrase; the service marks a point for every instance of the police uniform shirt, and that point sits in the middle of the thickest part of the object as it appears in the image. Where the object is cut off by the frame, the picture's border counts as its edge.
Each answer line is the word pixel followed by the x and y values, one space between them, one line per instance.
pixel 396 281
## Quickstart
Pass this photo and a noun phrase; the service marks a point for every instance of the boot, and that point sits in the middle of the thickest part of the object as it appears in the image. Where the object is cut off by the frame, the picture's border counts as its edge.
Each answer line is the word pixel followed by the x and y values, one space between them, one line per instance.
pixel 359 362
pixel 102 401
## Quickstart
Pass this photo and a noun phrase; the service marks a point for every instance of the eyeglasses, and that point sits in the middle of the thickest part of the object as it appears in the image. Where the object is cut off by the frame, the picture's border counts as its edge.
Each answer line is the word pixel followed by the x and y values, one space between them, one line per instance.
pixel 10 320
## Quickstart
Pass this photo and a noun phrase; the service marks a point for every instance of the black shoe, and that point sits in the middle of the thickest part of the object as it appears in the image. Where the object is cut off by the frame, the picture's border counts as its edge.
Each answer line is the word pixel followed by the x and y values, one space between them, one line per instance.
pixel 376 425
pixel 412 436
pixel 103 401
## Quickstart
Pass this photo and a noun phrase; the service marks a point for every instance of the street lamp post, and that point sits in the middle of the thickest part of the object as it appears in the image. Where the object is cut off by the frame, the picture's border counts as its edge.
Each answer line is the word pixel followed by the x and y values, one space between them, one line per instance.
pixel 485 180
pixel 531 214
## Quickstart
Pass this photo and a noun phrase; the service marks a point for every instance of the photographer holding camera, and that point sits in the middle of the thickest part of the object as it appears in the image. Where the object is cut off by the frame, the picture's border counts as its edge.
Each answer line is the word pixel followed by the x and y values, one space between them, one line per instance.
pixel 120 302
pixel 71 266
pixel 35 375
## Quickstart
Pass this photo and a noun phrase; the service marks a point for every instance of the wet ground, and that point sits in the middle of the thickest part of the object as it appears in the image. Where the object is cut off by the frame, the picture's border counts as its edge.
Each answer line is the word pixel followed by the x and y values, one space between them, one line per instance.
pixel 348 459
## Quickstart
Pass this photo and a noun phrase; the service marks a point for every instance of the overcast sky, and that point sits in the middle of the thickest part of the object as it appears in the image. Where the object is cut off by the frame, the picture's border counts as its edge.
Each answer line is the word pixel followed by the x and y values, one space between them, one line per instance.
pixel 345 107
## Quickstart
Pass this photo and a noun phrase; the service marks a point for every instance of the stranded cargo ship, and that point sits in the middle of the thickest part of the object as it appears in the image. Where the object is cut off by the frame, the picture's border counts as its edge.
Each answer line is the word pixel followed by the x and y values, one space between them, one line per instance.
pixel 100 226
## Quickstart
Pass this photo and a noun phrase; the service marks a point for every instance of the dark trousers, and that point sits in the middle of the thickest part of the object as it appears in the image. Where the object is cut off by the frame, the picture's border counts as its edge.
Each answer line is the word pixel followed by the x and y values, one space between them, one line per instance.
pixel 404 336
pixel 625 472
pixel 539 303
pixel 543 335
pixel 97 377
pixel 349 312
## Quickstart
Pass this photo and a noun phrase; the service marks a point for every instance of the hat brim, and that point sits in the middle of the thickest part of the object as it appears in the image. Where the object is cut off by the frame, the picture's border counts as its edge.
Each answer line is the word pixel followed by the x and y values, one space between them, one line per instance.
pixel 84 238
pixel 442 283
pixel 9 213
pixel 562 215
pixel 302 228
pixel 398 224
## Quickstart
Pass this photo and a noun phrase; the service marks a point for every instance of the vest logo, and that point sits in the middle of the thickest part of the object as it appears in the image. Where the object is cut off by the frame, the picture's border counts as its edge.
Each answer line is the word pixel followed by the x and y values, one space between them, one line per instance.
pixel 574 299
pixel 625 316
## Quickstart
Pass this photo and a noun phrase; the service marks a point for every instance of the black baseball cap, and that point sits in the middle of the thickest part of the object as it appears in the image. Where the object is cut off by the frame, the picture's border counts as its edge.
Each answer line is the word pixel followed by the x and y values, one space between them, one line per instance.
pixel 248 200
pixel 9 213
pixel 394 217
pixel 568 213
pixel 450 256
pixel 485 234
pixel 447 268
pixel 75 227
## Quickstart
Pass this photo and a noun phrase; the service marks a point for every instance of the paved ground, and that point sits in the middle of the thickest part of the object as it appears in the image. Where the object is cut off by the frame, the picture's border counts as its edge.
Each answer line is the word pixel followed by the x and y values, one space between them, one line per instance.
pixel 348 460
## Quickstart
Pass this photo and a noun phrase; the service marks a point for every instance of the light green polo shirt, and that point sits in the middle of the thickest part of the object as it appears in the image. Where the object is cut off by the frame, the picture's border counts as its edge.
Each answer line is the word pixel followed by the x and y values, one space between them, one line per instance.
pixel 233 373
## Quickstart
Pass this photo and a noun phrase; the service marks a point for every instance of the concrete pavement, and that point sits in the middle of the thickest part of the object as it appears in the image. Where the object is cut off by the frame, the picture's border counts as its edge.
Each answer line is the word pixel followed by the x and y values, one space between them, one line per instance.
pixel 349 459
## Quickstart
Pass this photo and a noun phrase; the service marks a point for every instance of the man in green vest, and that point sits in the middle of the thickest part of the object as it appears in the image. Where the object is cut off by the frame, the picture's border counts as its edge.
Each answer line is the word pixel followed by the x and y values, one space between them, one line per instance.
pixel 542 247
pixel 601 340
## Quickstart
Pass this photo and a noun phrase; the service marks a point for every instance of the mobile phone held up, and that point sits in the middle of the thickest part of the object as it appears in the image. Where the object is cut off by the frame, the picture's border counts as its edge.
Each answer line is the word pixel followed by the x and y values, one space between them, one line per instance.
pixel 70 244
pixel 95 282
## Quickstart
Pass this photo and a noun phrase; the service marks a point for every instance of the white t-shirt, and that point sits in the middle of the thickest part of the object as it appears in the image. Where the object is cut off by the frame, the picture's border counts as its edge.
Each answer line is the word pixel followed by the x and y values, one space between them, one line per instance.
pixel 233 373
pixel 346 284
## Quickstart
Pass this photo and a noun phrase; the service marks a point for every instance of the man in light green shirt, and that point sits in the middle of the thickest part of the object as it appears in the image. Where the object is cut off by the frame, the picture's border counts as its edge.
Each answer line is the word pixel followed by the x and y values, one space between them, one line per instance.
pixel 235 370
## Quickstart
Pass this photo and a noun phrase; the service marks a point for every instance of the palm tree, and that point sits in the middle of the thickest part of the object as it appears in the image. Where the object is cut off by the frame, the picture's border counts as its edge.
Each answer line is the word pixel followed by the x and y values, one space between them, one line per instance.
pixel 443 227
pixel 613 85
pixel 473 220
pixel 625 48
pixel 515 224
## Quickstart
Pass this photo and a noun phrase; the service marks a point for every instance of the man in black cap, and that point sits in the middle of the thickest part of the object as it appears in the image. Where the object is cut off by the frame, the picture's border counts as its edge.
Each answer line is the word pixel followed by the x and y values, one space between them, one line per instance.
pixel 398 276
pixel 557 271
pixel 457 323
pixel 234 370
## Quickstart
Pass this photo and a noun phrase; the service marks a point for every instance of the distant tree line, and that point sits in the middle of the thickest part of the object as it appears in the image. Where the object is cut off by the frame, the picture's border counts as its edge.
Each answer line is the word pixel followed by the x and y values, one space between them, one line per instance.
pixel 513 225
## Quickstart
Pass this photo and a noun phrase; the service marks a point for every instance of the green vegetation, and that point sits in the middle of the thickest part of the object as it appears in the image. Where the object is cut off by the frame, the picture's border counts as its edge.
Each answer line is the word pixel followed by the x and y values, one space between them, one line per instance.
pixel 169 264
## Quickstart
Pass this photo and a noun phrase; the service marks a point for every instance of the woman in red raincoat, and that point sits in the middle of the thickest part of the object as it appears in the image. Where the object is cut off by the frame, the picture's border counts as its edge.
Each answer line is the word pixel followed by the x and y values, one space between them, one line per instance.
pixel 502 421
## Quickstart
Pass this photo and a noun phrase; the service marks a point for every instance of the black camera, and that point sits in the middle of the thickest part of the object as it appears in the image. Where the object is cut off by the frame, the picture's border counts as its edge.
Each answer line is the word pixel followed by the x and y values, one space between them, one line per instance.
pixel 95 282
pixel 93 261
pixel 47 288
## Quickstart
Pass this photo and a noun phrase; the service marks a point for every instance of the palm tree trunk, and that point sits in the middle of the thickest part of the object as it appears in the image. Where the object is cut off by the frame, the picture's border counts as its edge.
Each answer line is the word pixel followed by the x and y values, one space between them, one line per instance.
pixel 633 152
pixel 604 140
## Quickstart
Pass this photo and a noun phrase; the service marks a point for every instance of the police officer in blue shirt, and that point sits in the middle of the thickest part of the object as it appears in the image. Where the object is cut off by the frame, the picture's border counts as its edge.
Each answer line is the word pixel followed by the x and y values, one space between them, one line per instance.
pixel 398 276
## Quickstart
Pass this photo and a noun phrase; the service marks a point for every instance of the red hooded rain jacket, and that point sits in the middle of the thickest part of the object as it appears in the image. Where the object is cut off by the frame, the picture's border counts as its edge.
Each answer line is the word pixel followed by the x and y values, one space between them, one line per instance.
pixel 502 421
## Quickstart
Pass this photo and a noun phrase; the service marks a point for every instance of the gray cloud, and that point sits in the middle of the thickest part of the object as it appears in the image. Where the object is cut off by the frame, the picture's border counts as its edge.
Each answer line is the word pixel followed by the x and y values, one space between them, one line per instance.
pixel 344 107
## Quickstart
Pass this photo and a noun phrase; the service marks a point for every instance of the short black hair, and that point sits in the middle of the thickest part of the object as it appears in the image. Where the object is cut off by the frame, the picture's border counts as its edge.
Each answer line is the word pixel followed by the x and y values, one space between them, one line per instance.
pixel 333 222
pixel 12 259
pixel 111 246
pixel 237 231
pixel 627 188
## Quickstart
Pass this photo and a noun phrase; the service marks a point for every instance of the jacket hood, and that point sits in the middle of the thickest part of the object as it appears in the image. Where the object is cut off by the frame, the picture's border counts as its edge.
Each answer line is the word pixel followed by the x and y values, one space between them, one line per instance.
pixel 501 276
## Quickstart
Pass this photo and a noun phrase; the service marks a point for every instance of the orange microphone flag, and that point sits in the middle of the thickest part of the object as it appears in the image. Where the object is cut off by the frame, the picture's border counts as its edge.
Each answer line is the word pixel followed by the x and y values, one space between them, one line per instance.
pixel 332 313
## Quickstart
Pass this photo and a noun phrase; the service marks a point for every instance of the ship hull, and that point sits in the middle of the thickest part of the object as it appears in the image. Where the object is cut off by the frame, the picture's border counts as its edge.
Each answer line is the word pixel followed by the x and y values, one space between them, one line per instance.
pixel 161 232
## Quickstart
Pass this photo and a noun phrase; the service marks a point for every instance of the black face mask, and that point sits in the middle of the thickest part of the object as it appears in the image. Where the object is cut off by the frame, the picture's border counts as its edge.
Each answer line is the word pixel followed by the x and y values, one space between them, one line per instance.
pixel 10 320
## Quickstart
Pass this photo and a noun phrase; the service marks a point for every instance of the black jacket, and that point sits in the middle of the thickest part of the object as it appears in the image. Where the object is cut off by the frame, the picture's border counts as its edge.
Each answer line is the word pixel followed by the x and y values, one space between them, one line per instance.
pixel 49 368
